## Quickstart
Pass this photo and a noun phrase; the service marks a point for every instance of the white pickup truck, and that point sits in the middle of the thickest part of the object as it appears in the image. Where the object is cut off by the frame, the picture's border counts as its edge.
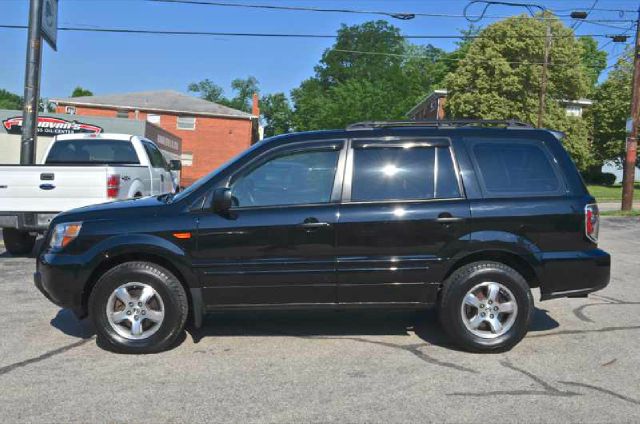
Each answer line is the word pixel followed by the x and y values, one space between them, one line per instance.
pixel 78 170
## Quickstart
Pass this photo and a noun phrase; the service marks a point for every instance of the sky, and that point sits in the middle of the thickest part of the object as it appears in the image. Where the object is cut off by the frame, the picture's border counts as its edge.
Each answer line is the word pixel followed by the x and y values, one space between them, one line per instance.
pixel 116 63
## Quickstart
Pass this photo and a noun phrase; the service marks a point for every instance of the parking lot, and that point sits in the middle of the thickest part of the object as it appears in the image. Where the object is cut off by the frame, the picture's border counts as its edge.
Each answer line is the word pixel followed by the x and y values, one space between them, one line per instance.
pixel 579 363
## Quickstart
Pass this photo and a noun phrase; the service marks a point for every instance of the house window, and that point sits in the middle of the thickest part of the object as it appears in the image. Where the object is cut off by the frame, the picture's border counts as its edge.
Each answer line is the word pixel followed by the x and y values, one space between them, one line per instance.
pixel 187 158
pixel 122 114
pixel 186 123
pixel 71 110
pixel 154 119
pixel 573 110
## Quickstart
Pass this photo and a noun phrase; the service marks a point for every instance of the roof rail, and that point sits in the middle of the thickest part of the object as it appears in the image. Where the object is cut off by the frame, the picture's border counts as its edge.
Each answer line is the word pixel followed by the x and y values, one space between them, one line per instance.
pixel 437 123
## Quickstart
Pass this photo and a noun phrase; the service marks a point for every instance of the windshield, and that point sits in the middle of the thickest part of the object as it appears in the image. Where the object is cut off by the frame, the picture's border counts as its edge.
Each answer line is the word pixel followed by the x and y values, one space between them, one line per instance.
pixel 202 181
pixel 89 152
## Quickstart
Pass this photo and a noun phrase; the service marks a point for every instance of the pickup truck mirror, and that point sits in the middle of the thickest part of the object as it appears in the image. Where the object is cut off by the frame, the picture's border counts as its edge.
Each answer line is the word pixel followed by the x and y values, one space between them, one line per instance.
pixel 222 200
pixel 175 165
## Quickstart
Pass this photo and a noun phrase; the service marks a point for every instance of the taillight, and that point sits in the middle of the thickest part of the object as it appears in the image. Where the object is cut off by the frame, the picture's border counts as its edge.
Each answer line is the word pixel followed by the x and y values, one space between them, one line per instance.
pixel 591 222
pixel 113 186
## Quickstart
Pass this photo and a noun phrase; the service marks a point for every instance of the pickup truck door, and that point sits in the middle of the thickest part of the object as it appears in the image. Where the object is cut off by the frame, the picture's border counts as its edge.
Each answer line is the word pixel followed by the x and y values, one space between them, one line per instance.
pixel 160 177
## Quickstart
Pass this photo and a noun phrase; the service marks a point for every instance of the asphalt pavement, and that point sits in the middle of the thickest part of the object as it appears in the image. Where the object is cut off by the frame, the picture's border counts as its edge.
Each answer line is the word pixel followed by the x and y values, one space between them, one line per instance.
pixel 579 363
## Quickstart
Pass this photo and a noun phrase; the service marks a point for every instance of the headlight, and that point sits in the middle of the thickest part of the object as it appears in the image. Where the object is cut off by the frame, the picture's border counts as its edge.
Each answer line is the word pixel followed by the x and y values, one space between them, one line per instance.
pixel 64 234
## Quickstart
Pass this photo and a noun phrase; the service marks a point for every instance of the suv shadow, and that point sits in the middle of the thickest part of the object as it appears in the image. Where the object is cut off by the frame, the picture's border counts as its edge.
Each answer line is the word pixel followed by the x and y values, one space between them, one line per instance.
pixel 423 323
pixel 310 324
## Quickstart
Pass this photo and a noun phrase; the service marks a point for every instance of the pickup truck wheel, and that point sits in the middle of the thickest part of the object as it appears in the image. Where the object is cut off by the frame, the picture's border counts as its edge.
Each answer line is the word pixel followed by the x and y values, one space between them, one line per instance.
pixel 138 307
pixel 18 242
pixel 486 307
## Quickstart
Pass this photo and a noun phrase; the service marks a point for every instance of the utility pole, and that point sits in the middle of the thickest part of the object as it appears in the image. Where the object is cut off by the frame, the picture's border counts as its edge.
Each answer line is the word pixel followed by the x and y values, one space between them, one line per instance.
pixel 628 178
pixel 545 65
pixel 32 85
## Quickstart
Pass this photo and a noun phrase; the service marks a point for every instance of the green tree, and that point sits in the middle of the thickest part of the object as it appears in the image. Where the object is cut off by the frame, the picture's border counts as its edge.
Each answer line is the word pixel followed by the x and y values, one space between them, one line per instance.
pixel 276 114
pixel 243 89
pixel 611 109
pixel 371 72
pixel 208 90
pixel 499 78
pixel 593 60
pixel 81 92
pixel 9 100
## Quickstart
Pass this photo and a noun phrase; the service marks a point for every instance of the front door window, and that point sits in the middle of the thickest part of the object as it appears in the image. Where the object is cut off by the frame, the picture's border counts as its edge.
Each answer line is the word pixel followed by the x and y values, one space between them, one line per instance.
pixel 295 178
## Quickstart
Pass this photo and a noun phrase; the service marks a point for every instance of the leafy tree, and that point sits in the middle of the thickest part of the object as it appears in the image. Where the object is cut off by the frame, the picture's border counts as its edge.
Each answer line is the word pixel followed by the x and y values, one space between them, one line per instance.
pixel 81 92
pixel 9 100
pixel 371 72
pixel 243 88
pixel 208 90
pixel 611 109
pixel 276 114
pixel 499 78
pixel 452 59
pixel 593 60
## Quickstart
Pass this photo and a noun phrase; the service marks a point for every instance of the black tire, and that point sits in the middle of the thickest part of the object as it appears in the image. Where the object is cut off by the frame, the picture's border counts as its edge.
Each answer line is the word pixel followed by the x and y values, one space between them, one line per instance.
pixel 18 242
pixel 461 282
pixel 166 285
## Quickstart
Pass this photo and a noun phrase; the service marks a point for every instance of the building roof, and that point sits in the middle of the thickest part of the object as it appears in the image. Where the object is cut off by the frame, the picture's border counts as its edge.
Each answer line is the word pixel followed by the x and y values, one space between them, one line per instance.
pixel 427 98
pixel 156 101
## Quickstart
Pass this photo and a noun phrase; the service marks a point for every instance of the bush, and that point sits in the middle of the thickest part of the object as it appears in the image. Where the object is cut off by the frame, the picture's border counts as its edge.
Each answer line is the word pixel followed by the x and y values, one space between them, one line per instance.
pixel 608 178
pixel 595 176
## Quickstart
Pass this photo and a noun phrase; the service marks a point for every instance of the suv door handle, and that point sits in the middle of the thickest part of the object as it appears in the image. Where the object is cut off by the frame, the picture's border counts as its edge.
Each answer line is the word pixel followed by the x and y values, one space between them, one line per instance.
pixel 447 217
pixel 311 225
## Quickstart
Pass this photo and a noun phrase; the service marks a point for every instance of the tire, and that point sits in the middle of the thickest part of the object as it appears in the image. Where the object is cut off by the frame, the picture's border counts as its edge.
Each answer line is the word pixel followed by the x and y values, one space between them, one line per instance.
pixel 18 242
pixel 169 300
pixel 459 318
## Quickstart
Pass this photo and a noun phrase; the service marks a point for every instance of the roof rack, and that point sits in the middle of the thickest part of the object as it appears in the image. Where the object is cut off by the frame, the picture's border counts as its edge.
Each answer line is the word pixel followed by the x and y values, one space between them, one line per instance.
pixel 438 123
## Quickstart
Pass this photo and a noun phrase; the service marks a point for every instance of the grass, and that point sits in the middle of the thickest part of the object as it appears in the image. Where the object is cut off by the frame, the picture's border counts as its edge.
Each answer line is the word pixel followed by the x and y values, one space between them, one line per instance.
pixel 632 212
pixel 611 193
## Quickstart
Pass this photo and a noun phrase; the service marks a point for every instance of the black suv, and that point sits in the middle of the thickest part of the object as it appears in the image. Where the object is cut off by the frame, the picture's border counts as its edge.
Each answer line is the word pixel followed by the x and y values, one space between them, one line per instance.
pixel 466 215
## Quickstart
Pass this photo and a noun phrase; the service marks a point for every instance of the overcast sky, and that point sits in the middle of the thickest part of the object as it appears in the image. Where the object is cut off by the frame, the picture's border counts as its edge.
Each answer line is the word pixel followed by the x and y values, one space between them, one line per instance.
pixel 112 63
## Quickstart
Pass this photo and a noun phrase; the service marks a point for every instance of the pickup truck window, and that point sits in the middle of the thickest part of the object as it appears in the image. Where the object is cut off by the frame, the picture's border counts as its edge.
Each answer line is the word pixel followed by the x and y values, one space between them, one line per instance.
pixel 108 152
pixel 156 158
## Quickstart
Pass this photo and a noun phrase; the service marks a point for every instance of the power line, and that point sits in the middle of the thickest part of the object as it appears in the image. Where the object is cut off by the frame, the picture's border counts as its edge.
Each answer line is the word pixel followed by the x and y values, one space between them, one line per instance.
pixel 271 35
pixel 453 59
pixel 397 15
pixel 577 23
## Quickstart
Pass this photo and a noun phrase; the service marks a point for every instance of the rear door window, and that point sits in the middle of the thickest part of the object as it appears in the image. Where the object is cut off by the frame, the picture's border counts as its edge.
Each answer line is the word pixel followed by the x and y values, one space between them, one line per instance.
pixel 512 167
pixel 403 172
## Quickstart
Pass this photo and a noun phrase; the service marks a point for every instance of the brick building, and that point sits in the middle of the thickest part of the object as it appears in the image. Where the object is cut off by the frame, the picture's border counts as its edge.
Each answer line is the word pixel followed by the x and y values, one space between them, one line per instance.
pixel 432 106
pixel 211 133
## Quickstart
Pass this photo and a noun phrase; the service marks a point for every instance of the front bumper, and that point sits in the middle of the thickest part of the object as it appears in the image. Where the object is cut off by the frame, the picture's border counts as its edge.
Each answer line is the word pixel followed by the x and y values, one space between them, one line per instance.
pixel 574 274
pixel 62 279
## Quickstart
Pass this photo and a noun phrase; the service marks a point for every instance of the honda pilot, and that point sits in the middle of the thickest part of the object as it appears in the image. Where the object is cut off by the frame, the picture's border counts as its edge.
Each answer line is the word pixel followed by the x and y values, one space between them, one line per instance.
pixel 466 215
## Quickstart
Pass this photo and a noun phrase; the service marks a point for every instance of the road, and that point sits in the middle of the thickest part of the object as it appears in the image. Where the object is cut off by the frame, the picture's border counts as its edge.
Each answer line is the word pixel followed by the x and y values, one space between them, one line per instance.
pixel 579 363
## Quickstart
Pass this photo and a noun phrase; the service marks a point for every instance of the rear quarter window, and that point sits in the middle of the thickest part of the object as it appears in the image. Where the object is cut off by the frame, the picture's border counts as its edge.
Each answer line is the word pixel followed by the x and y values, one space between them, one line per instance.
pixel 515 167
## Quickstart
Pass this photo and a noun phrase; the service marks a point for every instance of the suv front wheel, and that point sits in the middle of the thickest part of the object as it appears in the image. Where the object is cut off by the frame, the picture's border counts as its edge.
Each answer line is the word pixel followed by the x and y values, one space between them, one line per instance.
pixel 138 307
pixel 486 307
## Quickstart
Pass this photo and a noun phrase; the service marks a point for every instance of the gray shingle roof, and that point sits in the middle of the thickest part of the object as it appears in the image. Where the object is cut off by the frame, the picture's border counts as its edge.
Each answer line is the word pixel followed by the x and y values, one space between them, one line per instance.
pixel 161 101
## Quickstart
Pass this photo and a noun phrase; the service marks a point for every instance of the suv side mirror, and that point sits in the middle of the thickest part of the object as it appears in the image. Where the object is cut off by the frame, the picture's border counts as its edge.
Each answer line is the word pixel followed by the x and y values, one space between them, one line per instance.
pixel 221 200
pixel 175 165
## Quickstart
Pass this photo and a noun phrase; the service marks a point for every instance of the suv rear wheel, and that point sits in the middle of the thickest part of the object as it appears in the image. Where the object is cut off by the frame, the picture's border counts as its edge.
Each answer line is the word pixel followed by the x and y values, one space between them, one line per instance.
pixel 18 242
pixel 138 307
pixel 486 307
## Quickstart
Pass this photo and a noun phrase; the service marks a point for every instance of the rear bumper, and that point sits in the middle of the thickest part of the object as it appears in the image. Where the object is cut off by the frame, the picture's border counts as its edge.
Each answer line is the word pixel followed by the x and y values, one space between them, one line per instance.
pixel 25 221
pixel 573 274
